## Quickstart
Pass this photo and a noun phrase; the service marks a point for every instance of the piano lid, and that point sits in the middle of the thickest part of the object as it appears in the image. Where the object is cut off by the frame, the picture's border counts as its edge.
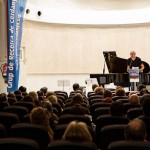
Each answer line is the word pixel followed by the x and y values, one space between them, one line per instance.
pixel 119 65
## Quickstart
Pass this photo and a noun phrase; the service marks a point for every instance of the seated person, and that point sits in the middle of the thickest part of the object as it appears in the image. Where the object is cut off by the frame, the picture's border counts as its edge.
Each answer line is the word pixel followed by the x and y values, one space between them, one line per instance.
pixel 117 109
pixel 135 130
pixel 41 116
pixel 77 132
pixel 107 96
pixel 134 99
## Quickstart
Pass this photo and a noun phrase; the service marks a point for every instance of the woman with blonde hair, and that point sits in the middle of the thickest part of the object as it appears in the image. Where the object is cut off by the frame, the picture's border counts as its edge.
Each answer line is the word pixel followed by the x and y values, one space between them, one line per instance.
pixel 77 132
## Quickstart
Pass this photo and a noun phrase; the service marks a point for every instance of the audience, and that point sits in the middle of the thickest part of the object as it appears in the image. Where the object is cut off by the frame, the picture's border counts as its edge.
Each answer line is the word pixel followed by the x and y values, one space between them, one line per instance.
pixel 136 130
pixel 77 132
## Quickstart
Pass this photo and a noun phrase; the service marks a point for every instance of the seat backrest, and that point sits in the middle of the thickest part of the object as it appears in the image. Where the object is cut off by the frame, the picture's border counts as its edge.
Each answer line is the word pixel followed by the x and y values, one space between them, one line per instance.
pixel 8 119
pixel 105 120
pixel 3 132
pixel 147 123
pixel 28 105
pixel 67 145
pixel 3 104
pixel 133 113
pixel 95 101
pixel 127 106
pixel 19 110
pixel 100 111
pixel 18 144
pixel 114 98
pixel 123 100
pixel 67 118
pixel 98 105
pixel 110 134
pixel 59 131
pixel 36 132
pixel 129 145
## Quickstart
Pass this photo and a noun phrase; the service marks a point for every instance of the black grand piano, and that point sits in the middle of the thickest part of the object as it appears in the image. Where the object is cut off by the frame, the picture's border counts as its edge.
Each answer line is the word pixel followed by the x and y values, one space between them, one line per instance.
pixel 117 68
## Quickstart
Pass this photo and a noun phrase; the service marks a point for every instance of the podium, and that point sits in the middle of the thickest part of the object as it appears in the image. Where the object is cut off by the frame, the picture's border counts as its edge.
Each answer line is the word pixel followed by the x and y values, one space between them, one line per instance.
pixel 134 76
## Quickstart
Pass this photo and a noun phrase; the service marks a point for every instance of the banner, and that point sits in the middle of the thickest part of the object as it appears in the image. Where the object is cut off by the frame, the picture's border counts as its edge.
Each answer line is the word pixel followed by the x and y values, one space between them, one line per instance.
pixel 15 20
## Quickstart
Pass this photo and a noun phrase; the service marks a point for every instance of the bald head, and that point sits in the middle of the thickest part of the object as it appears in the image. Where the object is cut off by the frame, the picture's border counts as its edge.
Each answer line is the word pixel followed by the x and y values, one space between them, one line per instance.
pixel 135 130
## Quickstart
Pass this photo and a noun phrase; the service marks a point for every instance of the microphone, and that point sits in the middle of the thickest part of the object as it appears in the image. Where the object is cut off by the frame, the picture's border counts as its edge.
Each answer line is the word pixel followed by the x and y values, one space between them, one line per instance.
pixel 130 62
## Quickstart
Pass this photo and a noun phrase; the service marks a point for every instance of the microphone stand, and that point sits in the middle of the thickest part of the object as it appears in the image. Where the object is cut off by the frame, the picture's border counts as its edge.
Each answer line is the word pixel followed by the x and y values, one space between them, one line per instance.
pixel 104 68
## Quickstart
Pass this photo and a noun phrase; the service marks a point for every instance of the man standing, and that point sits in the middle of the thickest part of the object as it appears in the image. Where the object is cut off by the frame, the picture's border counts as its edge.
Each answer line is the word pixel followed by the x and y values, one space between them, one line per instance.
pixel 132 62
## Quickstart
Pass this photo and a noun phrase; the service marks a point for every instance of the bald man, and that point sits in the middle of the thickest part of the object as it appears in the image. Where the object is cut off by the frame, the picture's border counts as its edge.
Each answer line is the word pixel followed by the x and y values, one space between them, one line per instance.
pixel 136 130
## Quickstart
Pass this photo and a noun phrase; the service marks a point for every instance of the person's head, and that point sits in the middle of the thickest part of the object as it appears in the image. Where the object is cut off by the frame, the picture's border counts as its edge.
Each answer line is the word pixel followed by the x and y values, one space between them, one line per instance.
pixel 22 89
pixel 28 98
pixel 134 99
pixel 143 91
pixel 33 94
pixel 49 94
pixel 77 132
pixel 117 108
pixel 17 92
pixel 40 116
pixel 44 90
pixel 141 86
pixel 132 54
pixel 107 93
pixel 3 97
pixel 120 92
pixel 77 99
pixel 11 95
pixel 46 104
pixel 145 102
pixel 94 86
pixel 75 86
pixel 52 99
pixel 135 130
pixel 99 90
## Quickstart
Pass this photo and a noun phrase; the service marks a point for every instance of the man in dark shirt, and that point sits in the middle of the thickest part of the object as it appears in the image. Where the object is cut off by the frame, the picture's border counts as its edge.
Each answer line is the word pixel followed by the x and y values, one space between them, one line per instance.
pixel 134 61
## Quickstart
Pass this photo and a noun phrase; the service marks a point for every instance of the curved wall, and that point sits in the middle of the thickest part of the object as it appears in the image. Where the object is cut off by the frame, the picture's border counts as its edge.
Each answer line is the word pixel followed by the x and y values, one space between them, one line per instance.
pixel 87 17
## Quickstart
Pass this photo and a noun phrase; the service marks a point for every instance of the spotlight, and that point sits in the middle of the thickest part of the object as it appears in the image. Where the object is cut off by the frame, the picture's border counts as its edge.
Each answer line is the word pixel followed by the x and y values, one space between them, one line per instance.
pixel 27 11
pixel 39 13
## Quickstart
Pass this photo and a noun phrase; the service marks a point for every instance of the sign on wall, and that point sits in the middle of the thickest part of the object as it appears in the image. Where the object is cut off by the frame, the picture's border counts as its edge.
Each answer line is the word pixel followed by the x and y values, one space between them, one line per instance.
pixel 15 20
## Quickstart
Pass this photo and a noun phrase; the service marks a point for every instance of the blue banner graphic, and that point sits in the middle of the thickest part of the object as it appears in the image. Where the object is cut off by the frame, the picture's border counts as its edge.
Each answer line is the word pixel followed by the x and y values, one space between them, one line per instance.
pixel 15 20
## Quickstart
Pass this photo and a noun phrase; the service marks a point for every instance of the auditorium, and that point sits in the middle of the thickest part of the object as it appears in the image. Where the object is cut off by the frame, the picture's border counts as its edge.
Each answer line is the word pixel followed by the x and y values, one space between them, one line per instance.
pixel 75 71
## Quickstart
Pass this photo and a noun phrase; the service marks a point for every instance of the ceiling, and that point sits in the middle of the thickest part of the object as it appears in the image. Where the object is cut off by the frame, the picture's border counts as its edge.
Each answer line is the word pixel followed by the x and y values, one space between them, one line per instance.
pixel 93 4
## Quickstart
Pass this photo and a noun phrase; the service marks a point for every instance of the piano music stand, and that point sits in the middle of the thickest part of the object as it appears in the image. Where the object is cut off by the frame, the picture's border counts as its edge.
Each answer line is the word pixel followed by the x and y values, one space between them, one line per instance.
pixel 90 82
pixel 63 83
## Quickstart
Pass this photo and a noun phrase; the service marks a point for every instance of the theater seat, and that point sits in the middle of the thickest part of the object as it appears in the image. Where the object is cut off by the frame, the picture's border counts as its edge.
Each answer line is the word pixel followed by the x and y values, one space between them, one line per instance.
pixel 18 144
pixel 67 145
pixel 35 132
pixel 129 145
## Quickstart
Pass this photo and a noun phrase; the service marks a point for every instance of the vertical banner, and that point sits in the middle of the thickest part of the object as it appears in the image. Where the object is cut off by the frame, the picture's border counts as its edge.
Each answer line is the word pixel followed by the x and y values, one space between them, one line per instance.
pixel 15 20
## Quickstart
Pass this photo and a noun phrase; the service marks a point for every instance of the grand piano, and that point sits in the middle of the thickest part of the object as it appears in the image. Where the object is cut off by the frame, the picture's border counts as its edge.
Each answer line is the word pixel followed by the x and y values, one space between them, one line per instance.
pixel 117 68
